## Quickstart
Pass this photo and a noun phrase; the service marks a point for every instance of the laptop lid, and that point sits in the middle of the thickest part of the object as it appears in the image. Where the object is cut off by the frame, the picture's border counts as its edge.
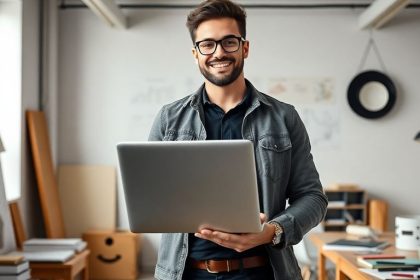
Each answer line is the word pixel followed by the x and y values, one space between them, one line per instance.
pixel 183 186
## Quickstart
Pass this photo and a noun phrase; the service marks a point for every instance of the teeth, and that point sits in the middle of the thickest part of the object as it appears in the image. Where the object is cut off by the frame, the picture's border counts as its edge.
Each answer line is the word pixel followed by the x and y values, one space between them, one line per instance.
pixel 220 65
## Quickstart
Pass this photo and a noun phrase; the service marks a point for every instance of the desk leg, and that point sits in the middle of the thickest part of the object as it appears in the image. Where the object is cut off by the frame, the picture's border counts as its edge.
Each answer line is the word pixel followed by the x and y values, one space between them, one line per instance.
pixel 339 275
pixel 321 266
pixel 85 273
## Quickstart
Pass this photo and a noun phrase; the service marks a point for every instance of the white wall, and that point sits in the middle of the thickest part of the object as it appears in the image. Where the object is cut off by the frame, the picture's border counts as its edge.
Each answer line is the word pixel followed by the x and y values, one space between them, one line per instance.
pixel 112 82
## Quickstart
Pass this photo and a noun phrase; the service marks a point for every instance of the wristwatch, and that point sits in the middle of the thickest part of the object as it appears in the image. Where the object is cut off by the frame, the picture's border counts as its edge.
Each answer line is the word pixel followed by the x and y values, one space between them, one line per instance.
pixel 278 233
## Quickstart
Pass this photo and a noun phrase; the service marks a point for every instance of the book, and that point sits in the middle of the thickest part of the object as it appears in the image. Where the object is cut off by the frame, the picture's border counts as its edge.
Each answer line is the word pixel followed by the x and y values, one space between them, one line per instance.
pixel 387 263
pixel 14 269
pixel 336 203
pixel 355 245
pixel 55 244
pixel 382 256
pixel 384 274
pixel 10 259
pixel 49 256
pixel 22 276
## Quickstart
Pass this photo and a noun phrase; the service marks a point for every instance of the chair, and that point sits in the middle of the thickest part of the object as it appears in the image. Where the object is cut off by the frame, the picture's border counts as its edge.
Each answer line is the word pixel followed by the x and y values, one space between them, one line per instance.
pixel 77 265
pixel 307 256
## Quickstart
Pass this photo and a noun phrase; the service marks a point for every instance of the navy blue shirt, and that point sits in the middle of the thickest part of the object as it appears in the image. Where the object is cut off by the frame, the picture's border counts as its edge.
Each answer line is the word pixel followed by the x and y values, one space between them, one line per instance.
pixel 221 126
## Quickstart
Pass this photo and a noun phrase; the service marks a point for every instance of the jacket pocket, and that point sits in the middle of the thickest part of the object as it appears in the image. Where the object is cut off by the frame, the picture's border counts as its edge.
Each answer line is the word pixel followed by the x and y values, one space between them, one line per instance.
pixel 275 155
pixel 181 135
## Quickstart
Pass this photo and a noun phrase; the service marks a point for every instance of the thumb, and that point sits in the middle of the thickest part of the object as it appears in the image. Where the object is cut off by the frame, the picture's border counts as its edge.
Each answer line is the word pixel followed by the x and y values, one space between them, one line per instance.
pixel 263 218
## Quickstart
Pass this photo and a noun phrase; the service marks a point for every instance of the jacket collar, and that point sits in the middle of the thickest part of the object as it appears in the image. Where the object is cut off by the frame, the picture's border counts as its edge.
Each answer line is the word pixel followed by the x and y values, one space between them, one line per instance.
pixel 196 99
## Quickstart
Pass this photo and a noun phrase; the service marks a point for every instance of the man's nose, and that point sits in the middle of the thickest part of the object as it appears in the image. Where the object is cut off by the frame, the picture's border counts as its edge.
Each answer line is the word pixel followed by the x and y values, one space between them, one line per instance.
pixel 219 50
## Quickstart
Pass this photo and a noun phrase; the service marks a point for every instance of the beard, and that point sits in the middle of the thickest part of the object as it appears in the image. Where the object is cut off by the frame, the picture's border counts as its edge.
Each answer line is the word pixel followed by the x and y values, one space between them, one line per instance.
pixel 224 79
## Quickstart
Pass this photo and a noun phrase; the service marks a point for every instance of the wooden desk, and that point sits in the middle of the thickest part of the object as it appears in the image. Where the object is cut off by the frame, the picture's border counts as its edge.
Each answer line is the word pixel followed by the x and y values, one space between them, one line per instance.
pixel 67 271
pixel 345 261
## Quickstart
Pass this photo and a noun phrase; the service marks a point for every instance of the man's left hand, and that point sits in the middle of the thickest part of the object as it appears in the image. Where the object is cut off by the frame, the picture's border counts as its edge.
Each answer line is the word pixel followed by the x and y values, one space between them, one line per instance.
pixel 240 241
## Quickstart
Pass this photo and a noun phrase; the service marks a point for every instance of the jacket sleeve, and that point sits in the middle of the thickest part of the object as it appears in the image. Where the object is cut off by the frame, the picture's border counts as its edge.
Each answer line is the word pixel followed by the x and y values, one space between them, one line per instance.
pixel 307 201
pixel 157 132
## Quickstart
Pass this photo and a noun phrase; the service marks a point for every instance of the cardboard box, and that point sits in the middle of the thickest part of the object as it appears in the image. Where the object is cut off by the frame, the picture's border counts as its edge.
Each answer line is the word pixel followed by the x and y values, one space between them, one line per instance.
pixel 113 254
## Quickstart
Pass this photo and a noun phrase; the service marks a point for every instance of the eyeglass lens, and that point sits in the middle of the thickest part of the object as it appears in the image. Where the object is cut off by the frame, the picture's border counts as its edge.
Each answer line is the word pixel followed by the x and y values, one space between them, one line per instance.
pixel 228 45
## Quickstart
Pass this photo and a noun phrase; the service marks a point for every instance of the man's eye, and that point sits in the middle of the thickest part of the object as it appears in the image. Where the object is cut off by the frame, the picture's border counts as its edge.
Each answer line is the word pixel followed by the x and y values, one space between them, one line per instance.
pixel 207 45
pixel 230 42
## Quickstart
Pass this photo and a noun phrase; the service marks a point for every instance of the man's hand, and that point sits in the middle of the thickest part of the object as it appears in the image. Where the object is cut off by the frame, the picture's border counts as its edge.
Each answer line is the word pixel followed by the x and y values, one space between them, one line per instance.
pixel 242 241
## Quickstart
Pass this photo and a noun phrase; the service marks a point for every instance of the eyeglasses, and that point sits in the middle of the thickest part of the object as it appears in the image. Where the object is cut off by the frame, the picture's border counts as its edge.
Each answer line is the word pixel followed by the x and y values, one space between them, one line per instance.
pixel 229 44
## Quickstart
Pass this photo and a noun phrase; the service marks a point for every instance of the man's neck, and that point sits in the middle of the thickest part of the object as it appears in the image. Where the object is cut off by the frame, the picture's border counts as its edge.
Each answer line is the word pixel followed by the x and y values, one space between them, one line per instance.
pixel 226 97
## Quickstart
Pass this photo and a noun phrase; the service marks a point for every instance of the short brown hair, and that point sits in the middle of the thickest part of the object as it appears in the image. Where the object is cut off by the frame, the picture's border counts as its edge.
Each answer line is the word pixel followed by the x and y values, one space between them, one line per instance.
pixel 212 9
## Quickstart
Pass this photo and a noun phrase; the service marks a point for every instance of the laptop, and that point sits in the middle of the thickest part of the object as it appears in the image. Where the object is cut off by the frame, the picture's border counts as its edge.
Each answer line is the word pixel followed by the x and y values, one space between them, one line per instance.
pixel 184 186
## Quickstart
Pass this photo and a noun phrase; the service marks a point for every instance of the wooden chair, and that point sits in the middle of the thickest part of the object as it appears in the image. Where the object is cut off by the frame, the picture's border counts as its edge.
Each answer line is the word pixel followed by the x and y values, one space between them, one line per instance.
pixel 77 265
pixel 50 204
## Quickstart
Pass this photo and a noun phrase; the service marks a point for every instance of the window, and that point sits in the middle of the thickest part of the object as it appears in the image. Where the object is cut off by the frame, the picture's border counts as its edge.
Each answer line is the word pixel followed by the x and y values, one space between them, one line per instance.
pixel 10 95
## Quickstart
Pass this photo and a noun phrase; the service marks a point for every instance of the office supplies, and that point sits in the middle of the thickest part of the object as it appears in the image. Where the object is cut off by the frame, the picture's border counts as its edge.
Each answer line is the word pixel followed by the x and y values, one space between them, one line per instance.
pixel 10 259
pixel 381 263
pixel 54 244
pixel 198 184
pixel 386 275
pixel 361 231
pixel 21 276
pixel 76 266
pixel 14 268
pixel 355 245
pixel 345 262
pixel 405 268
pixel 49 256
pixel 382 256
pixel 404 275
pixel 407 231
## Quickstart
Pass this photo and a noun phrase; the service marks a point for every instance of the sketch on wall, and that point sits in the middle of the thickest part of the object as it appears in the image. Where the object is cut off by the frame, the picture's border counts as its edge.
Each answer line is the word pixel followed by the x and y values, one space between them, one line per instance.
pixel 153 93
pixel 314 99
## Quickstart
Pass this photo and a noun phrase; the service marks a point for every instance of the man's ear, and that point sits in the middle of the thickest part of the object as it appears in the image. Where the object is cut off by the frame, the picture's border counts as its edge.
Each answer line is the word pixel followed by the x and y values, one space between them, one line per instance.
pixel 195 55
pixel 245 49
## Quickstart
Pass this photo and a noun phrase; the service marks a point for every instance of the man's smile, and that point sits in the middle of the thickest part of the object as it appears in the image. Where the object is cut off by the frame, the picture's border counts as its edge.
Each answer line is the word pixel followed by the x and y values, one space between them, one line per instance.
pixel 220 64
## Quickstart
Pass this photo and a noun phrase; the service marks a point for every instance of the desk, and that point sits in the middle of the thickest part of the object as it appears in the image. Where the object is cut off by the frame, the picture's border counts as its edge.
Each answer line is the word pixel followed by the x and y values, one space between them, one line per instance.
pixel 345 261
pixel 77 265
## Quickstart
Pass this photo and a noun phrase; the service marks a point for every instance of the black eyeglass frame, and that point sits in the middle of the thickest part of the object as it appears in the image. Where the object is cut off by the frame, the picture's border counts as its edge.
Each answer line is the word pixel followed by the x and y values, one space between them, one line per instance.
pixel 218 42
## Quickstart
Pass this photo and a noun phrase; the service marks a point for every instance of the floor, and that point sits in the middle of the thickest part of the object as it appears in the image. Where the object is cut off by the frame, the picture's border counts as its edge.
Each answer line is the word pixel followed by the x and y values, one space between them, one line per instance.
pixel 146 276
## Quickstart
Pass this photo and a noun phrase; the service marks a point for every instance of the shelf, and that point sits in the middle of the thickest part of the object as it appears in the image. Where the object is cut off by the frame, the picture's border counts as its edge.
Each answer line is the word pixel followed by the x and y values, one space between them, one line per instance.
pixel 346 207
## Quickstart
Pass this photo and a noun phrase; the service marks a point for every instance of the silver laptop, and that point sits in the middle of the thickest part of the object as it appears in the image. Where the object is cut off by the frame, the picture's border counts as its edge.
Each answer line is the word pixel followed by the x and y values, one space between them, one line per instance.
pixel 184 186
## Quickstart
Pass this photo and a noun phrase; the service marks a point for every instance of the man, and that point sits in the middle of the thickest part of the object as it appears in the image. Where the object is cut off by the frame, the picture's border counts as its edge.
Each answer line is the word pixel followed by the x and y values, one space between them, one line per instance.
pixel 227 106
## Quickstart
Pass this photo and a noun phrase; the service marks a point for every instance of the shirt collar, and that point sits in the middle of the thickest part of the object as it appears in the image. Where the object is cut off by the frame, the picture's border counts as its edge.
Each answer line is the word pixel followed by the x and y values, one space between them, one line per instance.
pixel 246 101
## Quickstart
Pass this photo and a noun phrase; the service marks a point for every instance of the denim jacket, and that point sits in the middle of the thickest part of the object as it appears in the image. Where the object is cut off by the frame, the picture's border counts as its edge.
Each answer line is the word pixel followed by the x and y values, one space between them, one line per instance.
pixel 285 171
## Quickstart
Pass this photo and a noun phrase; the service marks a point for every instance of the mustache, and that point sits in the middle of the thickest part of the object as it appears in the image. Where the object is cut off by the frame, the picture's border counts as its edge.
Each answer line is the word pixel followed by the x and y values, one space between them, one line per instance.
pixel 225 58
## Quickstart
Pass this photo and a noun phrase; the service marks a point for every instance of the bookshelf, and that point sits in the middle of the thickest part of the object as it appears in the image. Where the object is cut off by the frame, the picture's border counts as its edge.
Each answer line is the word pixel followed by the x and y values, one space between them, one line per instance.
pixel 345 206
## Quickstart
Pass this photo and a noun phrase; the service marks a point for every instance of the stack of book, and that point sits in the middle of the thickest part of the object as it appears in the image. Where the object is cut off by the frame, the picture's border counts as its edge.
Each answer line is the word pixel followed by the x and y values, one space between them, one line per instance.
pixel 356 245
pixel 14 268
pixel 388 263
pixel 384 266
pixel 52 250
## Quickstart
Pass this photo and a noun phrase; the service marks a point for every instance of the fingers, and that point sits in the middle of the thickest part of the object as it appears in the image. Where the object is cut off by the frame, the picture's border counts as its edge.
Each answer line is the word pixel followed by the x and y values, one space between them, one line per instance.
pixel 263 218
pixel 228 240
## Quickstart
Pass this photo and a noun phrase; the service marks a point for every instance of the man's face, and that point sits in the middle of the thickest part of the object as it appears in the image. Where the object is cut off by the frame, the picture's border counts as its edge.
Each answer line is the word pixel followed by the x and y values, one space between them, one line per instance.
pixel 220 68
